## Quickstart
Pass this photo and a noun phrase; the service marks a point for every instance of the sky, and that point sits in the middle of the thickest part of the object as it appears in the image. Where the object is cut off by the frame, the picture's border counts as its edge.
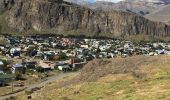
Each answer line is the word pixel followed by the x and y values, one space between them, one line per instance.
pixel 104 0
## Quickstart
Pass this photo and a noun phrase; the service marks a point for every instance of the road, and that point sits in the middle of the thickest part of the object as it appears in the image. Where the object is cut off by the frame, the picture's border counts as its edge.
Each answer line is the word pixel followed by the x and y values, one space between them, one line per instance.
pixel 40 84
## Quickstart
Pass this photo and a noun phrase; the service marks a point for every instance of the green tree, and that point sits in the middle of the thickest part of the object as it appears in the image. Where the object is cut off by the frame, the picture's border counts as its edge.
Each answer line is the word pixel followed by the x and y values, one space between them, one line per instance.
pixel 63 56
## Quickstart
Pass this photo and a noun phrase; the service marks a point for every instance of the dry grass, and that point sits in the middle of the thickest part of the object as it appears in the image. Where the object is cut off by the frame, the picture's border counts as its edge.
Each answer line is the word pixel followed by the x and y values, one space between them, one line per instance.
pixel 6 90
pixel 108 80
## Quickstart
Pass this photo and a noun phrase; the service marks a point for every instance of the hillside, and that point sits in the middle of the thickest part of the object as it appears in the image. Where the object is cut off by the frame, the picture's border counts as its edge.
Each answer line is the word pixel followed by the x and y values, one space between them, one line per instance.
pixel 162 15
pixel 141 7
pixel 57 16
pixel 155 10
pixel 120 78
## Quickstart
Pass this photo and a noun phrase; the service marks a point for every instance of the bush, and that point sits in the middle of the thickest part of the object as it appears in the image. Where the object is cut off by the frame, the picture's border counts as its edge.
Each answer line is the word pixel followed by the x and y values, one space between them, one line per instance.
pixel 139 74
pixel 63 56
pixel 11 98
pixel 39 69
pixel 28 92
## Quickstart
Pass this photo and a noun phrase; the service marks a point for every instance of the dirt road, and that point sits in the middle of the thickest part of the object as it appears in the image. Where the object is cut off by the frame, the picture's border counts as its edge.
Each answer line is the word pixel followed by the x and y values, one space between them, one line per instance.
pixel 41 84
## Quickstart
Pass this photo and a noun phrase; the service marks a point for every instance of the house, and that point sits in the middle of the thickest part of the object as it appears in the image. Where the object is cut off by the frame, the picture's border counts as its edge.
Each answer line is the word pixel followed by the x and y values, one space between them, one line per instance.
pixel 31 65
pixel 160 51
pixel 167 52
pixel 77 63
pixel 111 55
pixel 2 47
pixel 47 65
pixel 15 52
pixel 1 67
pixel 89 57
pixel 48 55
pixel 103 47
pixel 63 67
pixel 56 57
pixel 18 68
pixel 84 46
pixel 153 54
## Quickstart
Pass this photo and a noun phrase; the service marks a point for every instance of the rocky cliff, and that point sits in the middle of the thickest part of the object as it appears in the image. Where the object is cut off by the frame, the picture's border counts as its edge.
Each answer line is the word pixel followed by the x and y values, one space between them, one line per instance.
pixel 6 4
pixel 60 16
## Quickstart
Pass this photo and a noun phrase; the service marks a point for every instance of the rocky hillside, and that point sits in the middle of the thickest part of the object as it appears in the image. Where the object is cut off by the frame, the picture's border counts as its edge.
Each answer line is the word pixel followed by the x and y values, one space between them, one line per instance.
pixel 6 4
pixel 162 15
pixel 141 7
pixel 58 16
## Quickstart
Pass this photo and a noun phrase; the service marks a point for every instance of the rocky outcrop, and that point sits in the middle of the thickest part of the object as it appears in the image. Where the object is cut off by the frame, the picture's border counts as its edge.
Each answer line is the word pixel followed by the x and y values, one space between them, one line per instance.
pixel 6 4
pixel 60 16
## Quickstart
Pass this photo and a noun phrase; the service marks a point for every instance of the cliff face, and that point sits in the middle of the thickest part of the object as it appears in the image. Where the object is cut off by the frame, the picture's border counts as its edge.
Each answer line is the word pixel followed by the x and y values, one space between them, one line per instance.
pixel 42 15
pixel 6 4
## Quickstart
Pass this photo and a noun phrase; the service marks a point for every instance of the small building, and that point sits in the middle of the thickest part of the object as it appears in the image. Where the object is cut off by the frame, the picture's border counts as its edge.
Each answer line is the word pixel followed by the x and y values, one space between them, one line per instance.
pixel 64 67
pixel 84 46
pixel 1 67
pixel 47 64
pixel 18 68
pixel 15 52
pixel 31 65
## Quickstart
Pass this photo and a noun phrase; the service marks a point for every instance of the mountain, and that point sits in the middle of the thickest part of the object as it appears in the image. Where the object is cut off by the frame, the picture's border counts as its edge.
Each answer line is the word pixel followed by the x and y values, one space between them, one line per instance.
pixel 162 15
pixel 141 7
pixel 156 10
pixel 80 2
pixel 5 4
pixel 57 16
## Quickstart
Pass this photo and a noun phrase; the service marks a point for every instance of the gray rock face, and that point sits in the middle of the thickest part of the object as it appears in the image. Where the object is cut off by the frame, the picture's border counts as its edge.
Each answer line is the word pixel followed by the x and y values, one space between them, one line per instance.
pixel 63 16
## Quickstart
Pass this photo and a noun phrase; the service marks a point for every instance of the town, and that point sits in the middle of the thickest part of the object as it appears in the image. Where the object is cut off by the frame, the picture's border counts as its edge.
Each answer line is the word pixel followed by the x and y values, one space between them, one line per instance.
pixel 24 56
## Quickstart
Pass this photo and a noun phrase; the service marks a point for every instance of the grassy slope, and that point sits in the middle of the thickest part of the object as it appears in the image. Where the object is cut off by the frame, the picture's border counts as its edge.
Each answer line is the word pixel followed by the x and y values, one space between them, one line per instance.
pixel 120 86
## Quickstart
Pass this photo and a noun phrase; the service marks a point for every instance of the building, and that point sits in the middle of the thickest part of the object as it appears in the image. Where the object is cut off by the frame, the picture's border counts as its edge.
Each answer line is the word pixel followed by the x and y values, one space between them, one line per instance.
pixel 18 68
pixel 1 67
pixel 47 64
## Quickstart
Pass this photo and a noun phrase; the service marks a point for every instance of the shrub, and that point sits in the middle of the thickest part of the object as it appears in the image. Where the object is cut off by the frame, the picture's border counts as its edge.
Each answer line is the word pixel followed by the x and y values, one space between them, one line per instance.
pixel 28 92
pixel 139 74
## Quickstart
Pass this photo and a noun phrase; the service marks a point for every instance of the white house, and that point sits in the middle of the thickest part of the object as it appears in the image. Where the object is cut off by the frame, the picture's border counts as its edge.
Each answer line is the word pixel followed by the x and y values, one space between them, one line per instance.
pixel 1 67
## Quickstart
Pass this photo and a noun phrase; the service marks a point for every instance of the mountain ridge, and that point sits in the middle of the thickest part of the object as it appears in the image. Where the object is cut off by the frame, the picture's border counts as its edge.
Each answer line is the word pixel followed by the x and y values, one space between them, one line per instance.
pixel 141 7
pixel 58 16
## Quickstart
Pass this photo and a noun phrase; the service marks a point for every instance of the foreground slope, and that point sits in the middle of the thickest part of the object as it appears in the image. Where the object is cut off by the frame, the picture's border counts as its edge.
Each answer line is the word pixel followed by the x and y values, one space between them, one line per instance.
pixel 57 16
pixel 134 78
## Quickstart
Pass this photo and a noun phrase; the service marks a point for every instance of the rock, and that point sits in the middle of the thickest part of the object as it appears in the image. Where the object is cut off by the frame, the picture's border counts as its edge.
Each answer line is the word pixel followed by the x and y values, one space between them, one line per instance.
pixel 61 16
pixel 6 4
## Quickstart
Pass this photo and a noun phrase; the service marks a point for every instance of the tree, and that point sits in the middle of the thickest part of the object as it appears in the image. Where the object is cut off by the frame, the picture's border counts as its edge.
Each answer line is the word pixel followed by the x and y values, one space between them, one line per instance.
pixel 63 56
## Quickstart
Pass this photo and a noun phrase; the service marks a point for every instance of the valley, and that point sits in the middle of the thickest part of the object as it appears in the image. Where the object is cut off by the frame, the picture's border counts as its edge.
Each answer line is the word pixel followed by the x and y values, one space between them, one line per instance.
pixel 84 50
